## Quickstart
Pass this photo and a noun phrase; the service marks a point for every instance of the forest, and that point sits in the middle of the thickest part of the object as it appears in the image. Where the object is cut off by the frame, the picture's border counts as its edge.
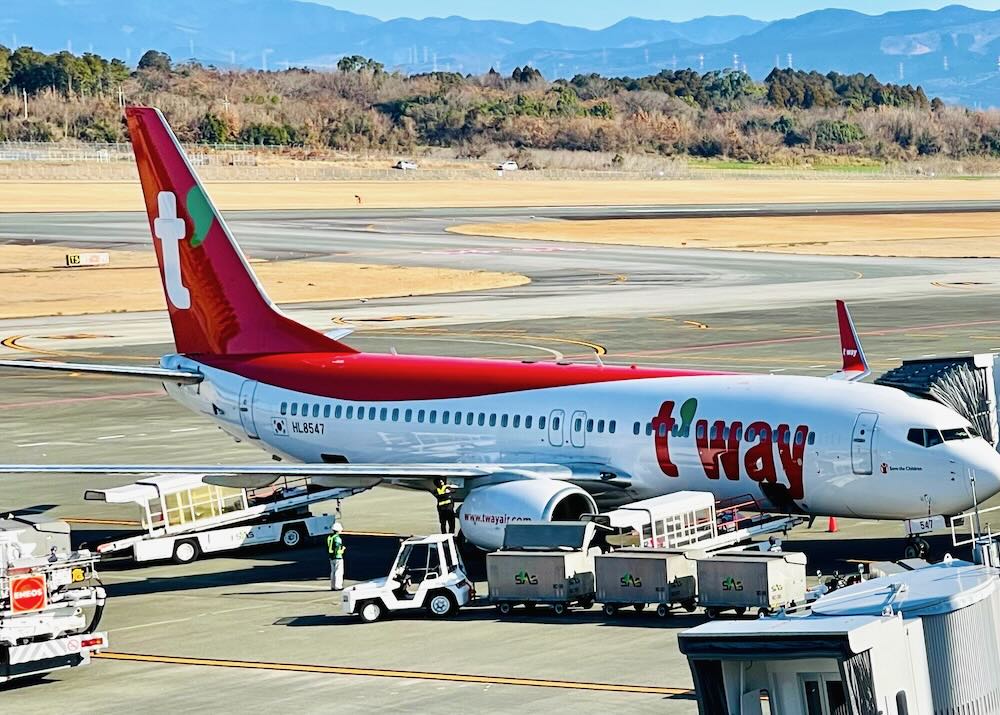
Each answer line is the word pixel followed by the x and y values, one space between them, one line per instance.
pixel 362 108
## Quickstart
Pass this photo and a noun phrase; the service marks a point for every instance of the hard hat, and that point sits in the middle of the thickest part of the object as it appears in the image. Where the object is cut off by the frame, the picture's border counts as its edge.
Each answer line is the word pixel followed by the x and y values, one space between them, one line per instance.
pixel 338 527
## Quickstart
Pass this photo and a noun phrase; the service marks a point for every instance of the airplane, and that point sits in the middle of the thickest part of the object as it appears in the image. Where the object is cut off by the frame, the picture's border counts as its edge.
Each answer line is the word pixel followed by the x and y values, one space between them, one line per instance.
pixel 519 440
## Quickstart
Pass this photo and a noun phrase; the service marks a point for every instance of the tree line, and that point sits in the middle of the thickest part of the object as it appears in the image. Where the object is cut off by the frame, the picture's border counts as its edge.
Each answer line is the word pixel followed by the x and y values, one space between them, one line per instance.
pixel 363 107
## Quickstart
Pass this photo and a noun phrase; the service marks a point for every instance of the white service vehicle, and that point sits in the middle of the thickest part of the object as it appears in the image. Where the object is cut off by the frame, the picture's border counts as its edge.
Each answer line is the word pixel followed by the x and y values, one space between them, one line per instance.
pixel 46 592
pixel 182 517
pixel 428 574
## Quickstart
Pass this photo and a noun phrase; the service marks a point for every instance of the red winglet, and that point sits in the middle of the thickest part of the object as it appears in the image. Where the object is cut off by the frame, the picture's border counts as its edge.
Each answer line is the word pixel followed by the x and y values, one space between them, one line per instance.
pixel 855 366
pixel 216 305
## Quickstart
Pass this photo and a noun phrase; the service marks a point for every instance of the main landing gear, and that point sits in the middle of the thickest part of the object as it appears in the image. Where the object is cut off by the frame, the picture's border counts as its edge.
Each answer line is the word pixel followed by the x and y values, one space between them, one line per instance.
pixel 916 548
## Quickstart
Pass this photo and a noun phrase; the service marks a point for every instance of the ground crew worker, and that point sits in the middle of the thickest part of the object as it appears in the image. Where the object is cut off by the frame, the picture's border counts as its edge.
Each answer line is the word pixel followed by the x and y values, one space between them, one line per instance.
pixel 445 505
pixel 335 547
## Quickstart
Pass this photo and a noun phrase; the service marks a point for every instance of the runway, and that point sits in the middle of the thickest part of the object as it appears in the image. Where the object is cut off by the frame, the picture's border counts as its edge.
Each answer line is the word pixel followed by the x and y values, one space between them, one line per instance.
pixel 257 631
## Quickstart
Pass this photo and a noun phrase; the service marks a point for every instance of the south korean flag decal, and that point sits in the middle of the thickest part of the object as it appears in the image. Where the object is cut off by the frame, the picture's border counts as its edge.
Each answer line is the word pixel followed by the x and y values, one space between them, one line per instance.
pixel 280 426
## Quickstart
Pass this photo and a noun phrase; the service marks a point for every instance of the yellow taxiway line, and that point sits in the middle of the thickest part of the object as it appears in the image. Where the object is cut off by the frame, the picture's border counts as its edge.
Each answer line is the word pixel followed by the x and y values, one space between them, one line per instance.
pixel 404 674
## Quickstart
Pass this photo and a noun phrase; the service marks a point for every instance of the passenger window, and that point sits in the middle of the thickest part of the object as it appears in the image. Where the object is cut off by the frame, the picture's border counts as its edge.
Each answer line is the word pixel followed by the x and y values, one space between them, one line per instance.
pixel 295 408
pixel 470 418
pixel 812 438
pixel 799 438
pixel 305 409
pixel 725 433
pixel 635 429
pixel 590 425
pixel 395 414
pixel 649 428
pixel 433 417
pixel 612 426
pixel 284 408
pixel 493 420
pixel 338 411
pixel 541 423
pixel 713 432
pixel 420 416
pixel 383 414
pixel 408 415
pixel 786 437
pixel 371 412
pixel 555 423
pixel 527 422
pixel 445 417
pixel 349 414
pixel 503 420
pixel 577 425
pixel 361 413
pixel 482 419
pixel 316 410
pixel 675 430
pixel 662 429
pixel 326 411
pixel 600 426
pixel 517 421
pixel 751 434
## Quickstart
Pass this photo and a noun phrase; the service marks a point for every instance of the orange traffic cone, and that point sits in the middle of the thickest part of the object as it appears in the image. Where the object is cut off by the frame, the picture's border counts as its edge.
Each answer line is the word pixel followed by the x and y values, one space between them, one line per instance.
pixel 831 525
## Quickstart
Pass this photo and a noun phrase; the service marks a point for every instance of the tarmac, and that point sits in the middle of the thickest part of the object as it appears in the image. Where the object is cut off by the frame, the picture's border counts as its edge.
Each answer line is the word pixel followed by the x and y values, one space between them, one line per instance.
pixel 257 630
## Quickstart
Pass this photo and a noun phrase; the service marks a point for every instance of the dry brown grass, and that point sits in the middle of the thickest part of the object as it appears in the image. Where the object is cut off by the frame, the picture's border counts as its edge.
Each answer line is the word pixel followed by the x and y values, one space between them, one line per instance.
pixel 33 282
pixel 932 236
pixel 126 196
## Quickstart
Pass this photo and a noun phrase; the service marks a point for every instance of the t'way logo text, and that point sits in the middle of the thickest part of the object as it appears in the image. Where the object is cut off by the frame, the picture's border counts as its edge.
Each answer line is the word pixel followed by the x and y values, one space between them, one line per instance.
pixel 723 447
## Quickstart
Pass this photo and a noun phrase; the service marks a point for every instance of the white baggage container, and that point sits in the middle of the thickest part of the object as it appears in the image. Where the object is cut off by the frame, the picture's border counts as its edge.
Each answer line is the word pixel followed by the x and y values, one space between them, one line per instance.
pixel 742 580
pixel 640 577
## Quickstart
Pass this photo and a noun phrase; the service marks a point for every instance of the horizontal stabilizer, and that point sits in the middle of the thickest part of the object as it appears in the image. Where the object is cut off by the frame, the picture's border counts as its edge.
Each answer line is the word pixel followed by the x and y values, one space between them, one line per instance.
pixel 146 373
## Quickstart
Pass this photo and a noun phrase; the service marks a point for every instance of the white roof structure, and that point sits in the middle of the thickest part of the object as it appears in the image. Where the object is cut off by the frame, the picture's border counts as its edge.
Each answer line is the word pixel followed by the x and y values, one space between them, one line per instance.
pixel 146 489
pixel 638 513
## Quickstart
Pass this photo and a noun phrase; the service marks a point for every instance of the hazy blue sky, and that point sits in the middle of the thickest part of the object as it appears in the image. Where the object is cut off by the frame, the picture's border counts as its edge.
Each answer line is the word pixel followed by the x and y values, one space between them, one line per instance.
pixel 600 13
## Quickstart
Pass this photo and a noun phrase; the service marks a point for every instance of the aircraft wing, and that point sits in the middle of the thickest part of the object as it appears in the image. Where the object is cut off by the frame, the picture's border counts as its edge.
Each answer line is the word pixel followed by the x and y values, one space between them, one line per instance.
pixel 149 373
pixel 588 476
pixel 855 365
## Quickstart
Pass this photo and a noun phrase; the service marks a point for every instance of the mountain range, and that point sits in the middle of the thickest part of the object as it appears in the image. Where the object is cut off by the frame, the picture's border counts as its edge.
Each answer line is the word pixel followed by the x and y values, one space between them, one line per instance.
pixel 953 52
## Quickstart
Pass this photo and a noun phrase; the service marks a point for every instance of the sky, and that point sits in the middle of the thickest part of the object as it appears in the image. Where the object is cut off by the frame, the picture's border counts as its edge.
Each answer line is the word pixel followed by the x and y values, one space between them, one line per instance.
pixel 600 13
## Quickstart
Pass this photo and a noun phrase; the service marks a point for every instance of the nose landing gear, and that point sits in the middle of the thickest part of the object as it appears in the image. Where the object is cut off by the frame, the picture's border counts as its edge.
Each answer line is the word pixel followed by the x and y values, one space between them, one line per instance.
pixel 916 548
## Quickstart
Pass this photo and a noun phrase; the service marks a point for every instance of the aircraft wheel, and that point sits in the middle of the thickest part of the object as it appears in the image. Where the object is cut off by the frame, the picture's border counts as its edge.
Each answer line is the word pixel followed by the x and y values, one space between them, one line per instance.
pixel 370 611
pixel 923 547
pixel 186 551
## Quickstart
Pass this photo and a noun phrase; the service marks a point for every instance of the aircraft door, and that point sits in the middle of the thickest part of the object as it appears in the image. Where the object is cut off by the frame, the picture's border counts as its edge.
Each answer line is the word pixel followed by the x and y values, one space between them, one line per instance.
pixel 861 442
pixel 246 408
pixel 556 419
pixel 578 429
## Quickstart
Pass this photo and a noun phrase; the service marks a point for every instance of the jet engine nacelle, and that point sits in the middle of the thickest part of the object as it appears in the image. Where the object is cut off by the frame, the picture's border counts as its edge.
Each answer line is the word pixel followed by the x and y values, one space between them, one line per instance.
pixel 487 510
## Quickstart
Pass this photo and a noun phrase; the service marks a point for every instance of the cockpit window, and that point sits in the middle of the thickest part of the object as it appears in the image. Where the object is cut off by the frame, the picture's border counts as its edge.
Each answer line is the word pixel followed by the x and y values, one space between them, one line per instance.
pixel 953 434
pixel 927 437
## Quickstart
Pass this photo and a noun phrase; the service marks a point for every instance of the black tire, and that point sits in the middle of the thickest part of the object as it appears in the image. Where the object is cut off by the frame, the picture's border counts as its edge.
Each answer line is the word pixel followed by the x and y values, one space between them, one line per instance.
pixel 504 608
pixel 763 612
pixel 371 611
pixel 560 609
pixel 639 607
pixel 712 612
pixel 741 610
pixel 610 610
pixel 911 551
pixel 663 610
pixel 441 604
pixel 530 607
pixel 292 537
pixel 186 551
pixel 587 603
pixel 923 548
pixel 690 606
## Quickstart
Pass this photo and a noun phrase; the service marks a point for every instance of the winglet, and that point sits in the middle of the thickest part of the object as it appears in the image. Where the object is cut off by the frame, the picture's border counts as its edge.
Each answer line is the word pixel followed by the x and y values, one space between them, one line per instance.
pixel 855 365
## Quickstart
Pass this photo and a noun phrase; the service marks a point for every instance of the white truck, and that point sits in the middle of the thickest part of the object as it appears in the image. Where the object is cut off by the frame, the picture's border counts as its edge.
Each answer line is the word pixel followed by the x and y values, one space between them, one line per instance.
pixel 182 517
pixel 427 575
pixel 50 603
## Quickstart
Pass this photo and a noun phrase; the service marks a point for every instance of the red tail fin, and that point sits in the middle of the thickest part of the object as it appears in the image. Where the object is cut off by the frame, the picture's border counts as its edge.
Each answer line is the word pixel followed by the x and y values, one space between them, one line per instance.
pixel 215 303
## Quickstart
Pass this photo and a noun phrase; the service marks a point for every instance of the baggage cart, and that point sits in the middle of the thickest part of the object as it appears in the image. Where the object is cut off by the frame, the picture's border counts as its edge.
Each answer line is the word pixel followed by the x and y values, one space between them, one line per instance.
pixel 743 580
pixel 639 577
pixel 543 563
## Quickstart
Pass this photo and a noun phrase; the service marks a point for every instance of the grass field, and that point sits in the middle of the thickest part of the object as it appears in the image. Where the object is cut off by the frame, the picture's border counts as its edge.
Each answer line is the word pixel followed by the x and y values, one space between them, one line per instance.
pixel 126 196
pixel 926 235
pixel 33 282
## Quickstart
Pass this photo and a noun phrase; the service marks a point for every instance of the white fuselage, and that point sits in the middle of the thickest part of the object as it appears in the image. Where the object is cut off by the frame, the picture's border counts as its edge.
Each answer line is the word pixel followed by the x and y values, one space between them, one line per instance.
pixel 820 446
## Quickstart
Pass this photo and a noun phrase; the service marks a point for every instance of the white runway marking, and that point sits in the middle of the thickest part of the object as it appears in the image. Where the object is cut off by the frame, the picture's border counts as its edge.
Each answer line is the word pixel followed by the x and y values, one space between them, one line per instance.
pixel 112 436
pixel 34 444
pixel 186 429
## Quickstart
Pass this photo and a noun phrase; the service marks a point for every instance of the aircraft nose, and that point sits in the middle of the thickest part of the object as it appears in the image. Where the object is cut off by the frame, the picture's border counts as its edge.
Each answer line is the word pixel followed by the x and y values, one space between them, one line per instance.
pixel 982 460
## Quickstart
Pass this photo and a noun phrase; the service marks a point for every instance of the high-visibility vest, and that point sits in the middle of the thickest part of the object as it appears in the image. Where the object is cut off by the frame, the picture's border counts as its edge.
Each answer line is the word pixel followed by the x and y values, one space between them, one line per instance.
pixel 443 496
pixel 335 546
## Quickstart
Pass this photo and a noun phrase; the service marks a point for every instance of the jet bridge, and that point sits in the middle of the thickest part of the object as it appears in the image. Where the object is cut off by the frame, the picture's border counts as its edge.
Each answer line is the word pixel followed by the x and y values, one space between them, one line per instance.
pixel 966 384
